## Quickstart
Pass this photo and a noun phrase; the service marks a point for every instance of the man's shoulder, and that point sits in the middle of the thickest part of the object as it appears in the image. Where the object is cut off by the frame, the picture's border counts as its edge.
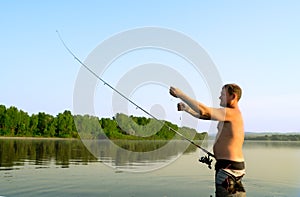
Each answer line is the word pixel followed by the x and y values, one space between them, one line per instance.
pixel 235 110
pixel 233 115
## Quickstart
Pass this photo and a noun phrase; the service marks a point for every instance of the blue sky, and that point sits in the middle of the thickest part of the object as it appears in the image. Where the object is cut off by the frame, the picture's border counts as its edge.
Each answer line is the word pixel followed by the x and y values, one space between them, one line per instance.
pixel 254 44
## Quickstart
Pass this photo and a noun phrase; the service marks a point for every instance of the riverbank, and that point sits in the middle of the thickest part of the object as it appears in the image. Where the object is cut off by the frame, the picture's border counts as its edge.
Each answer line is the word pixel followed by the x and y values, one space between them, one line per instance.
pixel 283 138
pixel 273 137
pixel 37 138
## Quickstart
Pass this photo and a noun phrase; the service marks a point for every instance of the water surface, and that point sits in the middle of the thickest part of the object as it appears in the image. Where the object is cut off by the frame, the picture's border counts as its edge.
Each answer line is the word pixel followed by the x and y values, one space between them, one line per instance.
pixel 67 168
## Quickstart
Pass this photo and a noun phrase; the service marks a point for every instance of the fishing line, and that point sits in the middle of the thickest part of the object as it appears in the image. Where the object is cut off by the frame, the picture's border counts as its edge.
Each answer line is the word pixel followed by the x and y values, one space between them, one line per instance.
pixel 206 160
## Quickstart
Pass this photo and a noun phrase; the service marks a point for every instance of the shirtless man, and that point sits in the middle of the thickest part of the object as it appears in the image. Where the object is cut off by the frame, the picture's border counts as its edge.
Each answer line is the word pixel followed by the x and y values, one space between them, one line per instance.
pixel 230 167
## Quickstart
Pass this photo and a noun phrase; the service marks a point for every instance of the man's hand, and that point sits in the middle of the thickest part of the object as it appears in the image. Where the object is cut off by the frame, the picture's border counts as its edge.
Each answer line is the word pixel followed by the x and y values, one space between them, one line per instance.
pixel 182 107
pixel 175 92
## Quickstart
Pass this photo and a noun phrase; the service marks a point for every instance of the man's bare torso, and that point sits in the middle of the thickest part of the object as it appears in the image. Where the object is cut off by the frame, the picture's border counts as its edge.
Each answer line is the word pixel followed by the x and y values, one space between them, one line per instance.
pixel 230 139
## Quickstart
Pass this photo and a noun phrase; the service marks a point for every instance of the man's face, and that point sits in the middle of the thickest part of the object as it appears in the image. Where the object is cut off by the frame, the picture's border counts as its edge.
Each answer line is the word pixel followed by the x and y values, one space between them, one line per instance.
pixel 224 98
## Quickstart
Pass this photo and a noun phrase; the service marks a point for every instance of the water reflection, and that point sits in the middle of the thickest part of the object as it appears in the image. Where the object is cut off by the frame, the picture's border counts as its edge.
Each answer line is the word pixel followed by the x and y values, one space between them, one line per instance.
pixel 15 153
pixel 138 155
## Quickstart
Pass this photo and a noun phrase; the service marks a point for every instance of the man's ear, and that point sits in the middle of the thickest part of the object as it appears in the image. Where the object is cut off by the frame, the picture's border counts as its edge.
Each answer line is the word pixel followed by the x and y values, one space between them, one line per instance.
pixel 234 96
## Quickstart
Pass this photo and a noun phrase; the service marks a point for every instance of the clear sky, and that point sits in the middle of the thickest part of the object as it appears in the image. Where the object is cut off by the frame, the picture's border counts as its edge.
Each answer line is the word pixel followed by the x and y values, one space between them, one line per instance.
pixel 255 44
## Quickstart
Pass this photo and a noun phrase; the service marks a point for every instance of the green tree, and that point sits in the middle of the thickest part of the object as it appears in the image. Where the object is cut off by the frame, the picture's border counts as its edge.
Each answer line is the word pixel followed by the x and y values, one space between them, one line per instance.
pixel 2 119
pixel 110 127
pixel 33 126
pixel 23 125
pixel 42 123
pixel 51 127
pixel 46 125
pixel 12 118
pixel 65 125
pixel 88 127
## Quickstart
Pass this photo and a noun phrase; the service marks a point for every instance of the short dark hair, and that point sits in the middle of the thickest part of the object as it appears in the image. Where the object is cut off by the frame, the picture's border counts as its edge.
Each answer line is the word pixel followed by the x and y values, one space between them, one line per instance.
pixel 234 88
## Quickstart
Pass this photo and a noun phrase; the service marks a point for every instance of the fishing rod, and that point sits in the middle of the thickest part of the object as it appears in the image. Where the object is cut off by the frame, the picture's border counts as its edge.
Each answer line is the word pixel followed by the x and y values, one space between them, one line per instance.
pixel 205 159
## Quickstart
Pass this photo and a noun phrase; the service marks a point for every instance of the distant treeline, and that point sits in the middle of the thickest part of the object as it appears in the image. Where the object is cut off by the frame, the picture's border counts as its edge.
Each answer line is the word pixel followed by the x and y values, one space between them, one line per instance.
pixel 275 137
pixel 17 123
pixel 14 122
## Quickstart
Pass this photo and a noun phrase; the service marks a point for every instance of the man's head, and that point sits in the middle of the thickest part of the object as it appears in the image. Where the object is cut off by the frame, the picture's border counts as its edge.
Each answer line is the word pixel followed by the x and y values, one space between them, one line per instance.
pixel 231 94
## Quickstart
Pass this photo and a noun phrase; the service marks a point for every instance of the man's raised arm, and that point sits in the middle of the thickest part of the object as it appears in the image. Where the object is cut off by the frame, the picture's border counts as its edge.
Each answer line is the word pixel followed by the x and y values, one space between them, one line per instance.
pixel 196 108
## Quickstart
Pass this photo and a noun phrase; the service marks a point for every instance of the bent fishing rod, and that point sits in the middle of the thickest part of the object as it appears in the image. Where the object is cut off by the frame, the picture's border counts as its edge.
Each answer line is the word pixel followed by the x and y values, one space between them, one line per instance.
pixel 206 160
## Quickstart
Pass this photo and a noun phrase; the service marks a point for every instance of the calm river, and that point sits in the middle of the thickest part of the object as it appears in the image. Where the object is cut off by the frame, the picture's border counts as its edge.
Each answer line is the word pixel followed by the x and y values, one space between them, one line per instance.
pixel 35 167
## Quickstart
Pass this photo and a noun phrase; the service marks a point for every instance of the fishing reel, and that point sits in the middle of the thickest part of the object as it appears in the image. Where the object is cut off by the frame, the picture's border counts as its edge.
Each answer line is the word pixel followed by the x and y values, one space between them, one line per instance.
pixel 206 160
